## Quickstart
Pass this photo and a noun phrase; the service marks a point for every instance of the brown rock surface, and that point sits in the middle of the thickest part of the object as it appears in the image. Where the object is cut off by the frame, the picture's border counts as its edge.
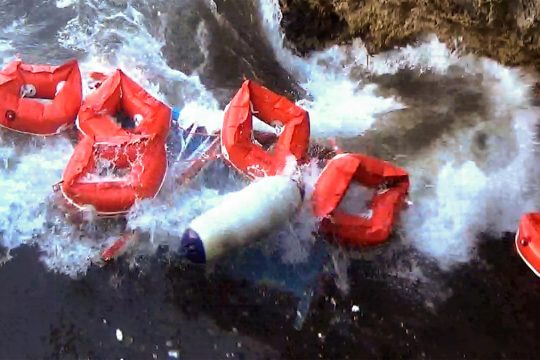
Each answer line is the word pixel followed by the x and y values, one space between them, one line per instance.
pixel 505 30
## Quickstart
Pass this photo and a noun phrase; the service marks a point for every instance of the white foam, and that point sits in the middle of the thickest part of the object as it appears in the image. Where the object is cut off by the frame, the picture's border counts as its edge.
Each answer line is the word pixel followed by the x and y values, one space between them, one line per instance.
pixel 339 105
pixel 61 4
pixel 131 46
pixel 28 214
pixel 108 37
pixel 169 214
pixel 446 227
pixel 468 200
pixel 470 195
pixel 202 114
pixel 24 194
pixel 7 51
pixel 430 55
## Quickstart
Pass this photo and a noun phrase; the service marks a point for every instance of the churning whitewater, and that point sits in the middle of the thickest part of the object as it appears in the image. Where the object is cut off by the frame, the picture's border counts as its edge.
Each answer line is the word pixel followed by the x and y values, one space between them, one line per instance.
pixel 472 175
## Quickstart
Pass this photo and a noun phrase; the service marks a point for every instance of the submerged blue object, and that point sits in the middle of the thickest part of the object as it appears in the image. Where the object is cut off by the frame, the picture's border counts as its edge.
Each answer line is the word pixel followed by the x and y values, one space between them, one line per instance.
pixel 192 247
pixel 263 263
pixel 188 144
pixel 175 113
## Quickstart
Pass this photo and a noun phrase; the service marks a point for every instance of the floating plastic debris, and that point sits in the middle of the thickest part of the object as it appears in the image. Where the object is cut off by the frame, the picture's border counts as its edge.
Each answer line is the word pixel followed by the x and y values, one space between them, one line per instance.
pixel 119 335
pixel 303 309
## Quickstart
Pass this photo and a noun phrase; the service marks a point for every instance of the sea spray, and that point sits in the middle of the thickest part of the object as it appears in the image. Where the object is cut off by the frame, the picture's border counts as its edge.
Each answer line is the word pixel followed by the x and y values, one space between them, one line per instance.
pixel 339 105
pixel 462 185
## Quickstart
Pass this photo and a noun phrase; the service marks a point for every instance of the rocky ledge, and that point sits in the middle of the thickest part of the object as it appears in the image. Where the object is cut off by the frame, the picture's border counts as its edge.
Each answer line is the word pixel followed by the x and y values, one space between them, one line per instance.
pixel 505 30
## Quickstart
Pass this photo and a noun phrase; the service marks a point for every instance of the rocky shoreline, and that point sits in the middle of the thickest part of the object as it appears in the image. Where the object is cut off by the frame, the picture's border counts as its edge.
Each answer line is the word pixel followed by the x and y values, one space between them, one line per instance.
pixel 505 30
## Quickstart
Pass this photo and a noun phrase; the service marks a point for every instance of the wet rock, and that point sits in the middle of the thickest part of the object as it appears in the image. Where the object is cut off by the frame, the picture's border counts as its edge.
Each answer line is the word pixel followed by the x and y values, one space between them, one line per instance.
pixel 224 44
pixel 182 48
pixel 506 30
pixel 309 25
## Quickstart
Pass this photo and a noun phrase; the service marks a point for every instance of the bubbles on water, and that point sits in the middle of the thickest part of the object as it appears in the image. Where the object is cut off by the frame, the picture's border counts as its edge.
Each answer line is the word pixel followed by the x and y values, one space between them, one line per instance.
pixel 26 184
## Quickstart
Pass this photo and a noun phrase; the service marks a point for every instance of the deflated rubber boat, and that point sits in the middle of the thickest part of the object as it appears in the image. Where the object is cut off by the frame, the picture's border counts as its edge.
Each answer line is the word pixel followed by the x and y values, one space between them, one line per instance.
pixel 528 241
pixel 390 182
pixel 39 99
pixel 120 107
pixel 238 143
pixel 110 174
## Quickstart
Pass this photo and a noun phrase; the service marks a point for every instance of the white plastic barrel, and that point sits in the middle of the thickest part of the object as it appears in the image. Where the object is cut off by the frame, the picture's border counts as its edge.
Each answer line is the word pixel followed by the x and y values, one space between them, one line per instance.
pixel 242 217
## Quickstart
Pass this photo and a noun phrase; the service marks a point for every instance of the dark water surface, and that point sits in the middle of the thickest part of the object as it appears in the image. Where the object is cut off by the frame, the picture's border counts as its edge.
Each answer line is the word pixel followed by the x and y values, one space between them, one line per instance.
pixel 489 314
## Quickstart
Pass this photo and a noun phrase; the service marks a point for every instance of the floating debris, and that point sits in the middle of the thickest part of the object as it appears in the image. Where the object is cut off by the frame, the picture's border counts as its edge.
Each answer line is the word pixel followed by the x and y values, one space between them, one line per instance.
pixel 174 354
pixel 119 335
pixel 355 308
pixel 303 309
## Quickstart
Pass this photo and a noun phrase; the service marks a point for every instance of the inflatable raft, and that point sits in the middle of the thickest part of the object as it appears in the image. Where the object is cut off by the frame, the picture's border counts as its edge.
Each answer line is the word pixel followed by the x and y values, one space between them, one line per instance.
pixel 141 160
pixel 238 144
pixel 528 241
pixel 121 107
pixel 39 99
pixel 196 149
pixel 390 182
